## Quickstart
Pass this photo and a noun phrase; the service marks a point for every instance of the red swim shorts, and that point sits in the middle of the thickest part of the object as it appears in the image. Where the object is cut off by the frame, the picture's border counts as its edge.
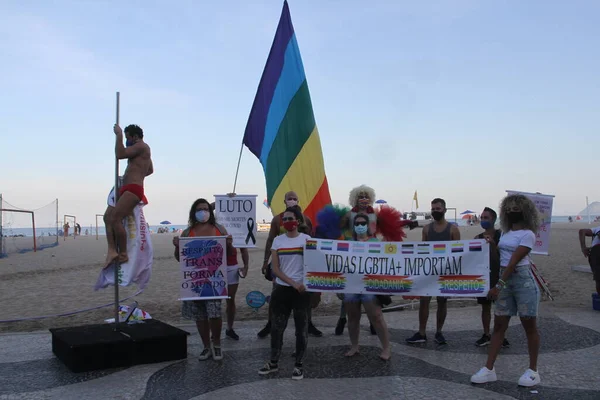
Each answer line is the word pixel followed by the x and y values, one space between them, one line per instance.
pixel 137 190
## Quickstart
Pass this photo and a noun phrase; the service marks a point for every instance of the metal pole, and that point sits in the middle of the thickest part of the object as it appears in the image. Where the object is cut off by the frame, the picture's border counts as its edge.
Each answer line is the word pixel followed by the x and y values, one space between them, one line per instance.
pixel 587 207
pixel 238 166
pixel 33 226
pixel 117 265
pixel 57 221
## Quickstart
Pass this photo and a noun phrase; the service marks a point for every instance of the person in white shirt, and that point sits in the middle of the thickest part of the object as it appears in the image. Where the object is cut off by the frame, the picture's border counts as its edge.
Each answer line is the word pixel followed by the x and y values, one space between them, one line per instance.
pixel 592 253
pixel 287 263
pixel 517 291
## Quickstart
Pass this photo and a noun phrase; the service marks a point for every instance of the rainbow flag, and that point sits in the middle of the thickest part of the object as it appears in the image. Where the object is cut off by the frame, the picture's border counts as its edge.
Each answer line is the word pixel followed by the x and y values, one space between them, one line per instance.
pixel 281 130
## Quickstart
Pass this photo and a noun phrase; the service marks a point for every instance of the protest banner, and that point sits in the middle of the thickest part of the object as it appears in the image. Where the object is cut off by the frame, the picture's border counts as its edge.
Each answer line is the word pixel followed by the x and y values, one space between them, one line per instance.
pixel 454 268
pixel 543 203
pixel 203 273
pixel 238 215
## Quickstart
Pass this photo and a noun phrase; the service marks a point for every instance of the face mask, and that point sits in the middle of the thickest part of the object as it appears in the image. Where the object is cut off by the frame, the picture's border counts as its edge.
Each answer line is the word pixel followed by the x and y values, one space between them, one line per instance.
pixel 291 203
pixel 515 217
pixel 129 142
pixel 437 215
pixel 361 229
pixel 290 225
pixel 364 203
pixel 486 224
pixel 202 216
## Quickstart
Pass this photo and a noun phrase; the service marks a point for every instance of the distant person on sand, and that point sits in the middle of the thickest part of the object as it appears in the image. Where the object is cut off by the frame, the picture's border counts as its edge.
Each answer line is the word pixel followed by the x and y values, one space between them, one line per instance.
pixel 66 229
pixel 492 235
pixel 139 166
pixel 277 228
pixel 517 292
pixel 592 253
pixel 77 229
pixel 438 230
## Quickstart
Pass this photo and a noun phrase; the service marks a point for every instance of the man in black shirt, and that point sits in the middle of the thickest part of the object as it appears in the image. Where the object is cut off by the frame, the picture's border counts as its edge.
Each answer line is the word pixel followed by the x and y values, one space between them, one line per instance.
pixel 488 220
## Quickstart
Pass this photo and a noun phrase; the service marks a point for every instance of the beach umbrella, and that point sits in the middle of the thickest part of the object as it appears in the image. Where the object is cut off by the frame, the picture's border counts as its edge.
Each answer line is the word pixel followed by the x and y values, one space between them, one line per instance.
pixel 468 216
pixel 165 223
pixel 381 201
pixel 467 212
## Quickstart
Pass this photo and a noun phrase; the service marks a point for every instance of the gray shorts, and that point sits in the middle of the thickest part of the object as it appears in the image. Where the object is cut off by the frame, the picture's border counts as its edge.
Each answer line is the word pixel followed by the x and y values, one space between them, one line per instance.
pixel 198 310
pixel 520 296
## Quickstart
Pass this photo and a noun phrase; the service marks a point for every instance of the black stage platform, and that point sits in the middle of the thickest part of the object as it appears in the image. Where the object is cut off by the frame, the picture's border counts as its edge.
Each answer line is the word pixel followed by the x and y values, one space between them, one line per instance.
pixel 92 347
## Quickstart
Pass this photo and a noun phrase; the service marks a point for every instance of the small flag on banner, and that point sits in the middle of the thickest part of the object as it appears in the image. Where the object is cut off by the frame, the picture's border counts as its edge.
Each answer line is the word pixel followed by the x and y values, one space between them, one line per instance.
pixel 343 247
pixel 415 198
pixel 358 247
pixel 408 248
pixel 327 245
pixel 375 248
pixel 457 248
pixel 423 248
pixel 391 248
pixel 474 246
pixel 311 245
pixel 439 248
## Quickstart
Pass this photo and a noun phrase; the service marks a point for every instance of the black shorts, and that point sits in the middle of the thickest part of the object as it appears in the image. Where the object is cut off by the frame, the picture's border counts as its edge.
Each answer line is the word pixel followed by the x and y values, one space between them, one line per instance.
pixel 484 300
pixel 594 260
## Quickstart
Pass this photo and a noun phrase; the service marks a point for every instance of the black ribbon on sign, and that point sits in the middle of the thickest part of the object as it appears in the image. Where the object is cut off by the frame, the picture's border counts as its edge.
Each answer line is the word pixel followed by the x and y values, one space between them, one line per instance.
pixel 250 226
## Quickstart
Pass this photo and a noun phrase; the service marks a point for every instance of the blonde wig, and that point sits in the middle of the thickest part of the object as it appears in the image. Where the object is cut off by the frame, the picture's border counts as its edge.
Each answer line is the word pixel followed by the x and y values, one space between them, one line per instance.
pixel 531 218
pixel 353 199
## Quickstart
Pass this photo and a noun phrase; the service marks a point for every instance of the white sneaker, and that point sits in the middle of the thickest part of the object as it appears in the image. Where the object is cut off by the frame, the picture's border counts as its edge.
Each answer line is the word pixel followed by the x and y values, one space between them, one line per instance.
pixel 529 378
pixel 484 375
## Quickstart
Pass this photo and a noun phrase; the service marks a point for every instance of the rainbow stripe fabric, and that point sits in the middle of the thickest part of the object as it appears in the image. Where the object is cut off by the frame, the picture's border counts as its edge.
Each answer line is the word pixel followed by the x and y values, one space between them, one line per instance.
pixel 281 130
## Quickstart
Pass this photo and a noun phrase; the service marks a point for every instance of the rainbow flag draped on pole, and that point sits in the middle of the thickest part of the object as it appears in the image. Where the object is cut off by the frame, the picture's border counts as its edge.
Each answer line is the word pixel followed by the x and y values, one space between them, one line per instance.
pixel 281 130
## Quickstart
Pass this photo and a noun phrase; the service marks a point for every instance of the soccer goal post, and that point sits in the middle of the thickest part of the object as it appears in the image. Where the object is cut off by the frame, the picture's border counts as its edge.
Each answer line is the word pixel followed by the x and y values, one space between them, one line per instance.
pixel 10 210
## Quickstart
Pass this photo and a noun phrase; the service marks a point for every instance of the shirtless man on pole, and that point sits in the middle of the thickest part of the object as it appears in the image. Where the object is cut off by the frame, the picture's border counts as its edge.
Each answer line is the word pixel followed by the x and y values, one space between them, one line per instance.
pixel 139 166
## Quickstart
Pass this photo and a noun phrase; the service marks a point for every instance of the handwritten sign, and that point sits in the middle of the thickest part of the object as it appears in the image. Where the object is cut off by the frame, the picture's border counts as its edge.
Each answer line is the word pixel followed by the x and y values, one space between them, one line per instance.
pixel 203 268
pixel 238 215
pixel 543 203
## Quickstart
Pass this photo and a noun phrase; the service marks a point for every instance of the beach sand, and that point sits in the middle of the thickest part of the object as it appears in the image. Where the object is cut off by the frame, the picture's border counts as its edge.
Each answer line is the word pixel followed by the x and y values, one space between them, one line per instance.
pixel 61 279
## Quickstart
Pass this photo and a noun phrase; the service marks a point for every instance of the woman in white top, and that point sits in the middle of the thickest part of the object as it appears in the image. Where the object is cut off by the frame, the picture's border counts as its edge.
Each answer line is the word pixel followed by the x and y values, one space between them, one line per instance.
pixel 287 262
pixel 517 291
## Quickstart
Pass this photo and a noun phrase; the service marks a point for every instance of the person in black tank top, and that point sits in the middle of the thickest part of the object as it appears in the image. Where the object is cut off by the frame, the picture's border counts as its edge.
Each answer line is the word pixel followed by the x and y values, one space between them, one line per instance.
pixel 439 230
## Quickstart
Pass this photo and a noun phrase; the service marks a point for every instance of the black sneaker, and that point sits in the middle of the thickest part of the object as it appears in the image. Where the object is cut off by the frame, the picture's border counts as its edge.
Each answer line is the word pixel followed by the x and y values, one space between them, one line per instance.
pixel 205 354
pixel 230 333
pixel 268 368
pixel 417 338
pixel 439 338
pixel 266 331
pixel 372 328
pixel 484 341
pixel 312 330
pixel 339 328
pixel 505 343
pixel 298 373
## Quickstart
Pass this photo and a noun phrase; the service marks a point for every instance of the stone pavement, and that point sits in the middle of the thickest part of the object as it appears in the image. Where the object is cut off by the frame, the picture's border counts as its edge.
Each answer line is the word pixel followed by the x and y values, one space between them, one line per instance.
pixel 568 364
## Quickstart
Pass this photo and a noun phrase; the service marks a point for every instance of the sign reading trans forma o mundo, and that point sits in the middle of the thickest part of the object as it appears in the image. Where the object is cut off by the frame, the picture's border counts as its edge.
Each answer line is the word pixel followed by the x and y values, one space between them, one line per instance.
pixel 455 268
pixel 203 268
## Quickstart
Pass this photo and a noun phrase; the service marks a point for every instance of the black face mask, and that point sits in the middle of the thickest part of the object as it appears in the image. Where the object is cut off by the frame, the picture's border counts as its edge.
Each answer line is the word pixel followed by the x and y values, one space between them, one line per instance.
pixel 514 217
pixel 437 215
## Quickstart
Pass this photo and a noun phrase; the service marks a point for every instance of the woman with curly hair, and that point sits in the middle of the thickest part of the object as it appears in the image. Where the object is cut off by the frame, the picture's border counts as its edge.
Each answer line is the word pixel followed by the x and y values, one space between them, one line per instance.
pixel 517 291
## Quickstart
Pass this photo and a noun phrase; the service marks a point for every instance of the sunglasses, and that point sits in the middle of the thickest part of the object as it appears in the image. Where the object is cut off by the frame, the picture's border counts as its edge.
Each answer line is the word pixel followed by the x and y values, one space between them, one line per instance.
pixel 361 223
pixel 286 219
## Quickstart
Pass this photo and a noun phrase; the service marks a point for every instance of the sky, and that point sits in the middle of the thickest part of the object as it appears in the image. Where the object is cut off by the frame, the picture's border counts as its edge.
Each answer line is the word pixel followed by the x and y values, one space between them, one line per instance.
pixel 458 99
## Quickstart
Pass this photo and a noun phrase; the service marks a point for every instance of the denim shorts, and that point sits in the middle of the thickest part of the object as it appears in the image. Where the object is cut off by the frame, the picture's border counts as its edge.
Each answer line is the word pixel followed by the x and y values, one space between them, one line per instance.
pixel 359 298
pixel 520 296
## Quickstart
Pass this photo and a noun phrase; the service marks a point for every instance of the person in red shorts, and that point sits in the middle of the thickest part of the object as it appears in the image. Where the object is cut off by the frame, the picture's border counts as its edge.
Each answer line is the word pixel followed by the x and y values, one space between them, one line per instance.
pixel 139 166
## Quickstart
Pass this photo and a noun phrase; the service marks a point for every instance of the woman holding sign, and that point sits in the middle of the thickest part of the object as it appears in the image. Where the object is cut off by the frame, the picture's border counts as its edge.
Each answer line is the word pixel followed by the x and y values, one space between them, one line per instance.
pixel 206 313
pixel 517 291
pixel 287 263
pixel 370 302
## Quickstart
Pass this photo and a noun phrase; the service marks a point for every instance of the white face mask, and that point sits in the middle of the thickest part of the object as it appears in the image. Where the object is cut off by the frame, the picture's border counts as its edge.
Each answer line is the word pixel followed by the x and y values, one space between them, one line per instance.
pixel 291 203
